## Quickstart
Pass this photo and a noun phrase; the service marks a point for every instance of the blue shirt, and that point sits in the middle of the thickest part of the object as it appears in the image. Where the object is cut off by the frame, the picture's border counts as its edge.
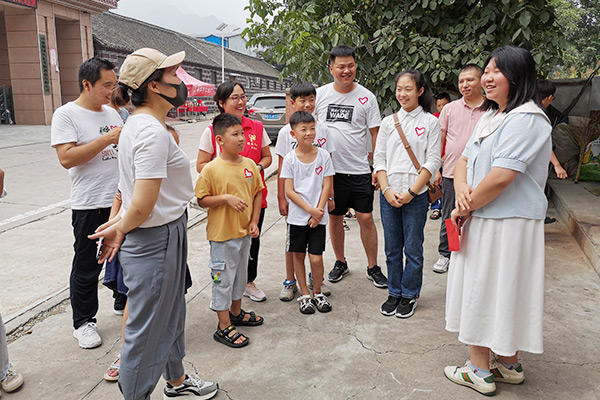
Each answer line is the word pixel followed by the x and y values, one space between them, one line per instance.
pixel 521 143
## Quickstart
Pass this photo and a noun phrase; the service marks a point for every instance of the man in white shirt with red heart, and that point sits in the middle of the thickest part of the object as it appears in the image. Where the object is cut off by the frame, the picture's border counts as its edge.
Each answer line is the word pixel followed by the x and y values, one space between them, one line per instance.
pixel 350 111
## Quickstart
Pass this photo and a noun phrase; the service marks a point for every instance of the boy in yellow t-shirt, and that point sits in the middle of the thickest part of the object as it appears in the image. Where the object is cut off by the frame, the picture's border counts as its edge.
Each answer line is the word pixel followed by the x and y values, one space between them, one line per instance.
pixel 230 187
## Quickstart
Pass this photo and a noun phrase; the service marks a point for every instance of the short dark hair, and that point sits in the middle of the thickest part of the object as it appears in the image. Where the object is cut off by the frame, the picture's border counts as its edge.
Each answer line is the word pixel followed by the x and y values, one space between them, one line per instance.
pixel 443 95
pixel 91 69
pixel 472 66
pixel 300 117
pixel 224 121
pixel 302 89
pixel 224 91
pixel 518 66
pixel 426 99
pixel 341 51
pixel 546 88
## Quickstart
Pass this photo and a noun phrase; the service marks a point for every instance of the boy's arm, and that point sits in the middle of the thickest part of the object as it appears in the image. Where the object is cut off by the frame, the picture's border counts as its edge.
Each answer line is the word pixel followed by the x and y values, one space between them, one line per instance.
pixel 283 204
pixel 326 191
pixel 234 202
pixel 253 230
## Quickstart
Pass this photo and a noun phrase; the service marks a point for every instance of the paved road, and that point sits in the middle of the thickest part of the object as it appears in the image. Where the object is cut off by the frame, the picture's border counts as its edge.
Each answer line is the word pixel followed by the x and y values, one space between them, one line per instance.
pixel 351 353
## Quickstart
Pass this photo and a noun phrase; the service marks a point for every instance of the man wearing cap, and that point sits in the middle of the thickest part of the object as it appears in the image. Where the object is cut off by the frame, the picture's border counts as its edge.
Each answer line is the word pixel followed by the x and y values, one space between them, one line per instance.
pixel 85 133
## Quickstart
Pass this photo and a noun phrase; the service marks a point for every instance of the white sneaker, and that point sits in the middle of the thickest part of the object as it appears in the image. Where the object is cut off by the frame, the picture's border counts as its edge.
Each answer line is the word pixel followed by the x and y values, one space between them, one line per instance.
pixel 324 289
pixel 12 381
pixel 505 375
pixel 441 265
pixel 254 292
pixel 87 335
pixel 289 291
pixel 466 377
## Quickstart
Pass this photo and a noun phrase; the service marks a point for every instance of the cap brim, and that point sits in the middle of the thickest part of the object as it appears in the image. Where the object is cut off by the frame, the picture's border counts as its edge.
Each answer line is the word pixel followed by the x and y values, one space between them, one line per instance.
pixel 172 60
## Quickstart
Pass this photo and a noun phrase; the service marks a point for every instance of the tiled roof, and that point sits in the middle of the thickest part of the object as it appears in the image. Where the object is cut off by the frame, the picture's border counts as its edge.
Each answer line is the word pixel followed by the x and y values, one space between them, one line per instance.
pixel 123 33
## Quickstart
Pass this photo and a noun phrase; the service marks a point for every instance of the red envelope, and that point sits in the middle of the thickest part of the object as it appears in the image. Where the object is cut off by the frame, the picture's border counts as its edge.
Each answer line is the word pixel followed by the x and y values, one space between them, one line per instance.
pixel 453 235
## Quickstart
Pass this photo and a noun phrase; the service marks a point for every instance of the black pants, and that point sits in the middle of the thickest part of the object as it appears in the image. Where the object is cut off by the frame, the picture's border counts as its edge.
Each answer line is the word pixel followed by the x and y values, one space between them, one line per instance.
pixel 254 247
pixel 447 207
pixel 85 270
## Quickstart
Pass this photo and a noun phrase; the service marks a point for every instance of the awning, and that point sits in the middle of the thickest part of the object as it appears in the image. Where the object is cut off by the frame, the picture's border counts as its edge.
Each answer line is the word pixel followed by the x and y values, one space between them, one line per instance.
pixel 196 88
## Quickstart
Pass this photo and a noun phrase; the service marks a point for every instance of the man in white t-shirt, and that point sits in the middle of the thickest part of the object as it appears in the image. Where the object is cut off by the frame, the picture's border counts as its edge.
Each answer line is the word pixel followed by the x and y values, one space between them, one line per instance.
pixel 350 111
pixel 85 134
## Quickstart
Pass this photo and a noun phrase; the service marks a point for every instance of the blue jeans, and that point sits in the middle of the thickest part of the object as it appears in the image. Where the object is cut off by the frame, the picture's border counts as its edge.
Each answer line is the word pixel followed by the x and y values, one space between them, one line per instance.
pixel 403 231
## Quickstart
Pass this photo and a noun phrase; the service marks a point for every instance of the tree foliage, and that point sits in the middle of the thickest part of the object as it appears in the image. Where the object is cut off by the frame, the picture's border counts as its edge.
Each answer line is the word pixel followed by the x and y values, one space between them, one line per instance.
pixel 579 22
pixel 435 36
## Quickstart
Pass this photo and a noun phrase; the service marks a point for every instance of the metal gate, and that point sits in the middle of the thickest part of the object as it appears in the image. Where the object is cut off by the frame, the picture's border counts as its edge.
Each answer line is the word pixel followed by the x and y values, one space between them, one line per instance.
pixel 7 107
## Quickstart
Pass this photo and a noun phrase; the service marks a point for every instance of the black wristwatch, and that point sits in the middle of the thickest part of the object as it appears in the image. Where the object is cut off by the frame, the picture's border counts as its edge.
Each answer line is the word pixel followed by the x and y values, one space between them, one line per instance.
pixel 411 193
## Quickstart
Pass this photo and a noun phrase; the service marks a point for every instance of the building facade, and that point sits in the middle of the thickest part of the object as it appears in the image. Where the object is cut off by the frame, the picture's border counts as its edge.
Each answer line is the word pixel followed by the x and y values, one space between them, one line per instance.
pixel 42 44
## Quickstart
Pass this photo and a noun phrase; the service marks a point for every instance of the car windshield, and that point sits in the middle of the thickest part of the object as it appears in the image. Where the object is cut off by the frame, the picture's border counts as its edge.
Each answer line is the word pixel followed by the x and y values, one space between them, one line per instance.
pixel 270 102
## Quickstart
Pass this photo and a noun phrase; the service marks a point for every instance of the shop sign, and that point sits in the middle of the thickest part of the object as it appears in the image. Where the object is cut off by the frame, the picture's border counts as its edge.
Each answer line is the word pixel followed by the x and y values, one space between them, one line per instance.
pixel 26 3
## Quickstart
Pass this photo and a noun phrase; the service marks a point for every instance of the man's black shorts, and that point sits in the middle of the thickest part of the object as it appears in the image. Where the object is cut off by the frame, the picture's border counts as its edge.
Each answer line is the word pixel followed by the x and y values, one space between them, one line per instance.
pixel 301 237
pixel 353 191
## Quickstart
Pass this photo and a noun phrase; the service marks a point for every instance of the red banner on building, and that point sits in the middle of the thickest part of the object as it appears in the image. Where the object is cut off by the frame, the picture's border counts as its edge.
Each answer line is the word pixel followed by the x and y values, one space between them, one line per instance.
pixel 26 3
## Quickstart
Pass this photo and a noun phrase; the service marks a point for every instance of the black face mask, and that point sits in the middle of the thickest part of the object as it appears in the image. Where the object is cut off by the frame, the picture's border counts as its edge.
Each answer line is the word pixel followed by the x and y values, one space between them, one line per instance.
pixel 181 96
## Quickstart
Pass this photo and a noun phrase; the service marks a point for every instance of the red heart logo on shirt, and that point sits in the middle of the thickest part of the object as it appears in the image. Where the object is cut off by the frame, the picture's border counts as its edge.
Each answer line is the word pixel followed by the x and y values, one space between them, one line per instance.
pixel 319 169
pixel 248 173
pixel 363 100
pixel 420 131
pixel 321 142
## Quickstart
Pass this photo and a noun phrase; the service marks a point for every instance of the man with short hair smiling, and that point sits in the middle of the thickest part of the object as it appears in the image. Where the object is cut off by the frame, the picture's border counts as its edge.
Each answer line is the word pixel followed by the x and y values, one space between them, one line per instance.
pixel 85 133
pixel 350 110
pixel 457 120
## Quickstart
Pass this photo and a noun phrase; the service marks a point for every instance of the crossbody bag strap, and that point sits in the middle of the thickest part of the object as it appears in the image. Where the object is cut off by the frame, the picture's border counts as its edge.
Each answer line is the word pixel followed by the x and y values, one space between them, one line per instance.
pixel 411 154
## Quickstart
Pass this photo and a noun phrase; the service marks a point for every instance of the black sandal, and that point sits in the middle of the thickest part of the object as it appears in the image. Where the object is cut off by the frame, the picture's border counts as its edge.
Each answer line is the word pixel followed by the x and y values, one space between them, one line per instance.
pixel 222 336
pixel 239 319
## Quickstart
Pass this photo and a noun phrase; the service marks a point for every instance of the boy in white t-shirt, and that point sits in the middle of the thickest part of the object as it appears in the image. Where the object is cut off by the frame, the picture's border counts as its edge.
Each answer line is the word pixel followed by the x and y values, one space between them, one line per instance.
pixel 302 98
pixel 308 173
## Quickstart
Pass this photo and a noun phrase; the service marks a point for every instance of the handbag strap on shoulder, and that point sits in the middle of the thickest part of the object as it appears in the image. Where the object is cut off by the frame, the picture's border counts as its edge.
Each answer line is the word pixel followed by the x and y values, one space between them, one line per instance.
pixel 411 154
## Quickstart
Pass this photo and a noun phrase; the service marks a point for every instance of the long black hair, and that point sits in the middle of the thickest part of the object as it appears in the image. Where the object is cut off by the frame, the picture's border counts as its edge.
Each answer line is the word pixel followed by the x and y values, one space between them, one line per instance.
pixel 224 91
pixel 518 66
pixel 425 99
pixel 138 96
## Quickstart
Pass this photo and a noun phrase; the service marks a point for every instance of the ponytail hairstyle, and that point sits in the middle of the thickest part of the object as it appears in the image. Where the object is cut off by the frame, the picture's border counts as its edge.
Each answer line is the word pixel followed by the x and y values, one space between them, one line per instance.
pixel 138 96
pixel 425 99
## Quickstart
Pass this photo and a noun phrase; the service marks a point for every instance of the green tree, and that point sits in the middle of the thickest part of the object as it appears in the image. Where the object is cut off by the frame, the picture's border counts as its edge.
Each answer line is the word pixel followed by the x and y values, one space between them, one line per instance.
pixel 579 22
pixel 435 36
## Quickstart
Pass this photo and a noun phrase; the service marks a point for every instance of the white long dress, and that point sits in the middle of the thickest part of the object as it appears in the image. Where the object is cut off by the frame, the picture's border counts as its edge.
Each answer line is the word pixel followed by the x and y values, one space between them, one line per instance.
pixel 495 290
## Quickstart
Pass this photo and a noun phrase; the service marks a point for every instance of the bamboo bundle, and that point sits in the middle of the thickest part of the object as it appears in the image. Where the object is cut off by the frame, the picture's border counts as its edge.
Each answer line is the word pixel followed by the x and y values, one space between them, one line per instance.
pixel 584 131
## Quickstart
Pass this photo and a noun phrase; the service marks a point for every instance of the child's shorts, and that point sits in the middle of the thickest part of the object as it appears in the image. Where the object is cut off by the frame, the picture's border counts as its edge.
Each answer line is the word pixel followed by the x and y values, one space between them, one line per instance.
pixel 301 237
pixel 229 271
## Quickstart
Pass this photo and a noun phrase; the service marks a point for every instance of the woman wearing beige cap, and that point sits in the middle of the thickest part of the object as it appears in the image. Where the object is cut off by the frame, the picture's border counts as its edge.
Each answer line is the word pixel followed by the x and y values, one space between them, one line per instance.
pixel 151 231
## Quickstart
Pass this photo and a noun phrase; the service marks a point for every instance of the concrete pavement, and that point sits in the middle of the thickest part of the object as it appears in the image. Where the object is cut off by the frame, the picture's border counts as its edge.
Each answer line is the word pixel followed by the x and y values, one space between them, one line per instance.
pixel 352 352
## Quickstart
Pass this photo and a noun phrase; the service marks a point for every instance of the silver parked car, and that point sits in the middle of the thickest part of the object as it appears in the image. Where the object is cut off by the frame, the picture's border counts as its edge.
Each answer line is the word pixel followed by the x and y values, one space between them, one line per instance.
pixel 269 108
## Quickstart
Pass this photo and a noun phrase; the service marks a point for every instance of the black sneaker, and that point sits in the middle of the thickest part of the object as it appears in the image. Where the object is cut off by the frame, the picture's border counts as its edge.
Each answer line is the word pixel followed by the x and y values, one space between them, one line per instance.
pixel 192 388
pixel 340 268
pixel 378 278
pixel 389 307
pixel 406 308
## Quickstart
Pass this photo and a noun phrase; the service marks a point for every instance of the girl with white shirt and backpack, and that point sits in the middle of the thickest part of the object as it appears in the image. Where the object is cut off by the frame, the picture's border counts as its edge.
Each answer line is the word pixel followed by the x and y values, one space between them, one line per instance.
pixel 403 202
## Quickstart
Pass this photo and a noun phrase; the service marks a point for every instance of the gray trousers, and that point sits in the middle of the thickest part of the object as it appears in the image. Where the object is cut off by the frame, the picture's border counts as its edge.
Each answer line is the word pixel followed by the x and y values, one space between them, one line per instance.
pixel 4 363
pixel 447 207
pixel 154 268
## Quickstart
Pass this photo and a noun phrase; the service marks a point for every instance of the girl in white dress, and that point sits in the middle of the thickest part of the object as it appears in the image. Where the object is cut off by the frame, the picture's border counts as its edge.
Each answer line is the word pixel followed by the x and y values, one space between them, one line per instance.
pixel 495 291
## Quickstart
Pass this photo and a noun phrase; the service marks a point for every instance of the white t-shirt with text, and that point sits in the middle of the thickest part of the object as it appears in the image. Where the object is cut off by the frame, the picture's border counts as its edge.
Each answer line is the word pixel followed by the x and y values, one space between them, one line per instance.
pixel 286 142
pixel 148 151
pixel 349 116
pixel 308 183
pixel 94 183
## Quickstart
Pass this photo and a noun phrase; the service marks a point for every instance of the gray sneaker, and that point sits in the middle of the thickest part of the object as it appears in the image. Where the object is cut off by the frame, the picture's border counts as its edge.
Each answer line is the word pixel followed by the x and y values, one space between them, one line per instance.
pixel 289 291
pixel 192 388
pixel 324 289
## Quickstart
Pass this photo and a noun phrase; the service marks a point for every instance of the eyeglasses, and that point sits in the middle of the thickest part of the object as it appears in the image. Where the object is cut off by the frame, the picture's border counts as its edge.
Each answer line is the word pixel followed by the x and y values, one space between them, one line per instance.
pixel 237 98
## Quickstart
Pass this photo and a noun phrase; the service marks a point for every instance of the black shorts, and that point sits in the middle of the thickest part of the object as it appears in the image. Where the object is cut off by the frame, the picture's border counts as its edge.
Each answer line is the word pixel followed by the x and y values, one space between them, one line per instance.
pixel 353 191
pixel 301 237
